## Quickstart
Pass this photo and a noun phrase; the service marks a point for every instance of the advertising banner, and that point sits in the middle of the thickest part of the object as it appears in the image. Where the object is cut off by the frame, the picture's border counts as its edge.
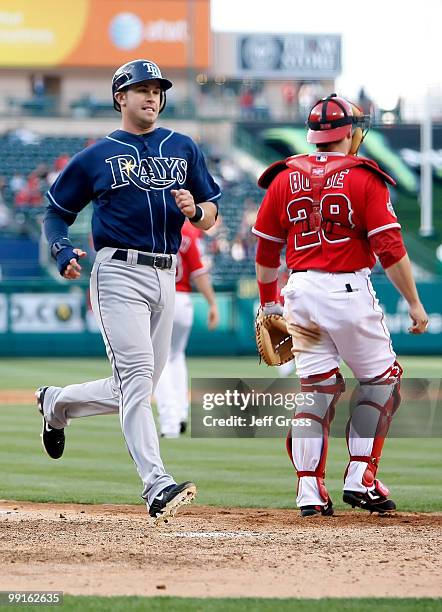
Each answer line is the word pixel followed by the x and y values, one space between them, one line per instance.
pixel 46 312
pixel 174 33
pixel 59 323
pixel 300 56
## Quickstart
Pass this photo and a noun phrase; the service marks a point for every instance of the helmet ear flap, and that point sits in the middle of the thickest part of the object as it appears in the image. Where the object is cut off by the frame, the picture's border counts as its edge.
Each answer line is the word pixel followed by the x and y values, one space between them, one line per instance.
pixel 162 101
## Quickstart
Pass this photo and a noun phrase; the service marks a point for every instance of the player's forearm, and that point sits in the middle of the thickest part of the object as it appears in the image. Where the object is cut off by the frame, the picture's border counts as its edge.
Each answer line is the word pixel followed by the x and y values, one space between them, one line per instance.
pixel 401 275
pixel 210 210
pixel 204 286
pixel 267 284
pixel 265 274
pixel 55 226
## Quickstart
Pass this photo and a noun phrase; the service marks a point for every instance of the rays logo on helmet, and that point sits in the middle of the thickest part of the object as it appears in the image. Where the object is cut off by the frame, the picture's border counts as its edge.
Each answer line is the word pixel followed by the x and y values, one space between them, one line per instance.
pixel 152 69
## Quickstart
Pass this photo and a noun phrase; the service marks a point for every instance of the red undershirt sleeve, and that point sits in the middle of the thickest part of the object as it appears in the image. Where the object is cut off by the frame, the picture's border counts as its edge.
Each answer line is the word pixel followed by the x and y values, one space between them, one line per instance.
pixel 388 246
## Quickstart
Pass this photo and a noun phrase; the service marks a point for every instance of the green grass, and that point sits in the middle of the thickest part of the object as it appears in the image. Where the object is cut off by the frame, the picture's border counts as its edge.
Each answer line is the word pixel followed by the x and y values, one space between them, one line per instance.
pixel 172 604
pixel 29 373
pixel 239 472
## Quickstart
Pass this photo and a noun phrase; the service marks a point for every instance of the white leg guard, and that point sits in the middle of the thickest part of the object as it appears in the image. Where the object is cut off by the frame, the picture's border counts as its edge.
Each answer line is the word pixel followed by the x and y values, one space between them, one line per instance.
pixel 307 446
pixel 376 402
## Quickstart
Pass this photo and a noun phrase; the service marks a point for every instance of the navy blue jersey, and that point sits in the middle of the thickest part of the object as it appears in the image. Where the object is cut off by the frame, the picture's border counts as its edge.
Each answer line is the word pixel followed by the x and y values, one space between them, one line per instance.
pixel 128 178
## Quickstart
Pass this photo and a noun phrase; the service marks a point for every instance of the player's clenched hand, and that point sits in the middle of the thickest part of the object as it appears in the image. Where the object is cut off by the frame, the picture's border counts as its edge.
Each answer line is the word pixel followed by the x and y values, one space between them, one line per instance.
pixel 419 317
pixel 185 202
pixel 73 269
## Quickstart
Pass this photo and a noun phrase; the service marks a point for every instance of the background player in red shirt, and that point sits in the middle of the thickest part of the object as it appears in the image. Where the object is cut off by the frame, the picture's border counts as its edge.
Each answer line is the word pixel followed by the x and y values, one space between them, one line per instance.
pixel 333 212
pixel 171 394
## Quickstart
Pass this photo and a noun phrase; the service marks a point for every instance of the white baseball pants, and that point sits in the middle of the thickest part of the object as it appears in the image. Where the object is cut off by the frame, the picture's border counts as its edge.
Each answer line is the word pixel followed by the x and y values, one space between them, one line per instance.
pixel 134 307
pixel 352 329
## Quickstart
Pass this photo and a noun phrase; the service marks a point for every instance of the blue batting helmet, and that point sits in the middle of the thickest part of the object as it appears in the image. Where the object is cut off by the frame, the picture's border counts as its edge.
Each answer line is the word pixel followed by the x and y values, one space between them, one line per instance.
pixel 138 71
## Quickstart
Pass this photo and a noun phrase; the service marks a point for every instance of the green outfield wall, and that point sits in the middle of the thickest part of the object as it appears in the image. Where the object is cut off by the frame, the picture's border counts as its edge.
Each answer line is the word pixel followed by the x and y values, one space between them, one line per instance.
pixel 55 319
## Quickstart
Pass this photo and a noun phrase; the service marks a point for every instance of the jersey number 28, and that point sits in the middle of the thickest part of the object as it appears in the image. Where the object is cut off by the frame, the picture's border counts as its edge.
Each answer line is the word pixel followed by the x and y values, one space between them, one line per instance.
pixel 334 208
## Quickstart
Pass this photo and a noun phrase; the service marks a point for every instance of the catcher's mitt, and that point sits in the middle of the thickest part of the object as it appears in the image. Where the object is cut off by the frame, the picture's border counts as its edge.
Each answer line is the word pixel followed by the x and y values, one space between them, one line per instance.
pixel 272 339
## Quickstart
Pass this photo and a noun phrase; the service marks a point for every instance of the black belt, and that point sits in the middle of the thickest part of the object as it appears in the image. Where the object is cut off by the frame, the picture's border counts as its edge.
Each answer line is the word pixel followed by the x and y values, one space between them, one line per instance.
pixel 163 262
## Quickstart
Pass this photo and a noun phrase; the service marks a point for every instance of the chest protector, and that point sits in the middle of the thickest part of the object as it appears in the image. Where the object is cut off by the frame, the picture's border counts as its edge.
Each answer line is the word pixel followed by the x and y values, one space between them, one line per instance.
pixel 318 172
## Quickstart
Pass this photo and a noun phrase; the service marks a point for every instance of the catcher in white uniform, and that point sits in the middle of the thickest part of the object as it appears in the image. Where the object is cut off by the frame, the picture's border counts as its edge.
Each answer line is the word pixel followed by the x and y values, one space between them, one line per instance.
pixel 171 394
pixel 333 212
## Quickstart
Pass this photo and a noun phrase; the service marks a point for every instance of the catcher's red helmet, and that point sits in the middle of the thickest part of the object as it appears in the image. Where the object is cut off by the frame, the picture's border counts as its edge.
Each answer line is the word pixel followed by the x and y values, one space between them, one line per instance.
pixel 332 118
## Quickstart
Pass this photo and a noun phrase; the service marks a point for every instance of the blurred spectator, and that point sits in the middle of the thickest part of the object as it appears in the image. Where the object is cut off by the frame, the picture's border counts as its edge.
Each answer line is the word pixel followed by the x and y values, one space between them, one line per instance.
pixel 261 107
pixel 246 104
pixel 3 187
pixel 289 92
pixel 237 251
pixel 245 238
pixel 61 161
pixel 24 136
pixel 5 215
pixel 309 94
pixel 230 172
pixel 38 85
pixel 40 172
pixel 217 238
pixel 22 198
pixel 16 182
pixel 30 196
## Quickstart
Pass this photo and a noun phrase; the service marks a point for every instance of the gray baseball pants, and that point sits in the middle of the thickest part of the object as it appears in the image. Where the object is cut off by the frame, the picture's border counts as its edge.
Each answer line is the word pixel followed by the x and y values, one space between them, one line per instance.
pixel 134 306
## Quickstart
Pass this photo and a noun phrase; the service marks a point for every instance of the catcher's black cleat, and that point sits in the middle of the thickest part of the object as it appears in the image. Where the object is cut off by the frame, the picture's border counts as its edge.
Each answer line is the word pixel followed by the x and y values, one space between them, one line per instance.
pixel 373 501
pixel 166 504
pixel 326 510
pixel 53 439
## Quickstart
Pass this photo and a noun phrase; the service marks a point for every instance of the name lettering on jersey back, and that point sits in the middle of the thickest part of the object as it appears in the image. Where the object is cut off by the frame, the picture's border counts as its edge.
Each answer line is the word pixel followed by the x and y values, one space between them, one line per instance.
pixel 150 173
pixel 300 182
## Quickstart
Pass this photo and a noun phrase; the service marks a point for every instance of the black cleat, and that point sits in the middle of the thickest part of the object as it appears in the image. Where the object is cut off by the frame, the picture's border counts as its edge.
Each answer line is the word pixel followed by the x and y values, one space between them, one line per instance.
pixel 183 427
pixel 326 510
pixel 166 504
pixel 373 501
pixel 53 439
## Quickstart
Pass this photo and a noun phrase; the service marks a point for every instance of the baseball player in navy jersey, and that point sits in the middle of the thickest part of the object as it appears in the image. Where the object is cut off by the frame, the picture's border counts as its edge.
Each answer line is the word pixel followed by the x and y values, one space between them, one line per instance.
pixel 143 181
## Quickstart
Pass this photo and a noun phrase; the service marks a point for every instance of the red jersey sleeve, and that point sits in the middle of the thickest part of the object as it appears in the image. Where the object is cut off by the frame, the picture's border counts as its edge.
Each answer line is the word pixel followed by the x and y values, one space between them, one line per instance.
pixel 388 246
pixel 269 224
pixel 193 257
pixel 379 211
pixel 189 262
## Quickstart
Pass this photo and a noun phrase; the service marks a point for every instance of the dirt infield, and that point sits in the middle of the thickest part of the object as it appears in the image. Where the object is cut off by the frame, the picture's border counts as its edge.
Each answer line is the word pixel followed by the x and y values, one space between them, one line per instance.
pixel 16 397
pixel 116 550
